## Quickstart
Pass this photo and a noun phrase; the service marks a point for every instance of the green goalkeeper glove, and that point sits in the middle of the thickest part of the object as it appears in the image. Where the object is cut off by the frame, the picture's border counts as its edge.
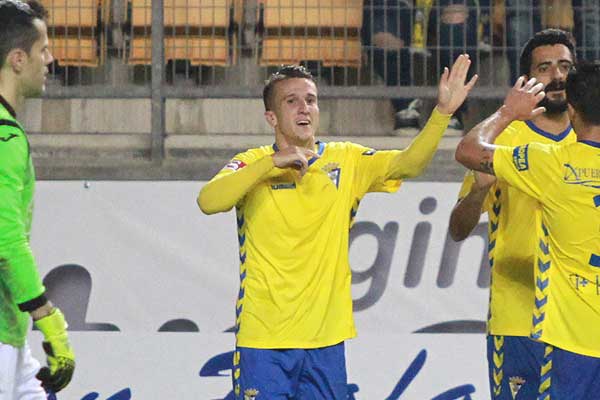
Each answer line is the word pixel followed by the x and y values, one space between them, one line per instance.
pixel 60 357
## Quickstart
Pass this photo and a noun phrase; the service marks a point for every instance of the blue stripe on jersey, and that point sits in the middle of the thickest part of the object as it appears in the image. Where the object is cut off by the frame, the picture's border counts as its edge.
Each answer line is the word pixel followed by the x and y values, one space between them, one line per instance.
pixel 546 134
pixel 590 142
pixel 320 150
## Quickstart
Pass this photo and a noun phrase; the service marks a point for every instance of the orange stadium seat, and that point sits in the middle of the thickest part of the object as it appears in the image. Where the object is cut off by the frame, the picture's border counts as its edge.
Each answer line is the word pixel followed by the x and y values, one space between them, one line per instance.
pixel 312 30
pixel 74 37
pixel 313 13
pixel 195 30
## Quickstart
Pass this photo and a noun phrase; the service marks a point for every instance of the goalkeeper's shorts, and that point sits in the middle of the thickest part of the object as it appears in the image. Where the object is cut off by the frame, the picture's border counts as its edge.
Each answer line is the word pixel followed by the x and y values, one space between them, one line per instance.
pixel 283 374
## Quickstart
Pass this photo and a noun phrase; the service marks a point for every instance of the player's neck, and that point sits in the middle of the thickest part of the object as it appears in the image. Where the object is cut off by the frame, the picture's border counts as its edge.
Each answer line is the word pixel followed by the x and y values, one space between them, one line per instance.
pixel 589 132
pixel 283 142
pixel 8 90
pixel 553 123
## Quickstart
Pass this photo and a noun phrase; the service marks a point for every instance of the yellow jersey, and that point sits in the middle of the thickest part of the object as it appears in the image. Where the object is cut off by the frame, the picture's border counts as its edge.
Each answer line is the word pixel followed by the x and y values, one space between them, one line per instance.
pixel 513 217
pixel 566 182
pixel 293 233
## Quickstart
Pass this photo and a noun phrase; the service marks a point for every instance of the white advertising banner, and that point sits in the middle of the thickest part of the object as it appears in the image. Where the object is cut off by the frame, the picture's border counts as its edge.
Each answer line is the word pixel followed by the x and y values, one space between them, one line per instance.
pixel 148 284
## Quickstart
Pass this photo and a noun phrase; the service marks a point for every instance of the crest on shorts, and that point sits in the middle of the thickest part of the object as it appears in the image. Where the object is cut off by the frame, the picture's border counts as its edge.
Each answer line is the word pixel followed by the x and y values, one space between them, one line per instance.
pixel 515 383
pixel 333 171
pixel 250 394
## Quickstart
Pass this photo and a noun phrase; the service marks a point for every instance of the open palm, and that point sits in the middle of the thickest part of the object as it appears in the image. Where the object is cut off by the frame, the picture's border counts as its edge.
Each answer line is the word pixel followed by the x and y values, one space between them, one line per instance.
pixel 453 90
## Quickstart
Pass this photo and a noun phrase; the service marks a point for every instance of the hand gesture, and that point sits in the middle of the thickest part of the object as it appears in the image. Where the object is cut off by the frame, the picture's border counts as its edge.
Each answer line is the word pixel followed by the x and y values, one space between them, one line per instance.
pixel 521 101
pixel 452 90
pixel 483 181
pixel 294 157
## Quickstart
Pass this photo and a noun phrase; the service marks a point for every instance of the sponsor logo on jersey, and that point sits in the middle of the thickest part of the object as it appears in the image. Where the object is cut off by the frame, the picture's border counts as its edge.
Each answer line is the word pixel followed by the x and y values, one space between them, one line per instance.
pixel 521 158
pixel 369 152
pixel 250 394
pixel 574 175
pixel 234 165
pixel 515 383
pixel 333 171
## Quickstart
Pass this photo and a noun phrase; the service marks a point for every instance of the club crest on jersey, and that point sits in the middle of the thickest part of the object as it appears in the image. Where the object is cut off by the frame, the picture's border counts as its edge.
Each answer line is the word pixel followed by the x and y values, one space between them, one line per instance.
pixel 234 165
pixel 521 157
pixel 515 383
pixel 333 171
pixel 369 152
pixel 250 394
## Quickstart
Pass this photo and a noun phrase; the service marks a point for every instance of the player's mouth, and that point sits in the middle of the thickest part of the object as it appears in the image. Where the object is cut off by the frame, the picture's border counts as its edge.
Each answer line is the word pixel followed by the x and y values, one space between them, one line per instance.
pixel 303 122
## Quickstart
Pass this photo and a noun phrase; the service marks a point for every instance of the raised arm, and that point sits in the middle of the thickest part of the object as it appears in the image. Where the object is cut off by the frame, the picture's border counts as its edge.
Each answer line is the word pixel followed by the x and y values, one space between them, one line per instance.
pixel 225 190
pixel 452 92
pixel 466 212
pixel 475 150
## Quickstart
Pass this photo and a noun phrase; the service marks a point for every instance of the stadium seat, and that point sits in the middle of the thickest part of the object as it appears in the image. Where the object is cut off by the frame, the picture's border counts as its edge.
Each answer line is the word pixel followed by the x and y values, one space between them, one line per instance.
pixel 74 51
pixel 311 30
pixel 292 50
pixel 312 13
pixel 198 50
pixel 195 30
pixel 74 37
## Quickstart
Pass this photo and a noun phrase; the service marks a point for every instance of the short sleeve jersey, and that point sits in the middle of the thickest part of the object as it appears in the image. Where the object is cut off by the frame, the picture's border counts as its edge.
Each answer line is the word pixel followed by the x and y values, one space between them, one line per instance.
pixel 513 218
pixel 19 279
pixel 295 278
pixel 566 182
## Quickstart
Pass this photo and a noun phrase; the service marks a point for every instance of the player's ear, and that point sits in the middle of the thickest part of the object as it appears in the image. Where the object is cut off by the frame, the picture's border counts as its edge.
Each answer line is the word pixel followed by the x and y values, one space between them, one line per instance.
pixel 271 118
pixel 16 59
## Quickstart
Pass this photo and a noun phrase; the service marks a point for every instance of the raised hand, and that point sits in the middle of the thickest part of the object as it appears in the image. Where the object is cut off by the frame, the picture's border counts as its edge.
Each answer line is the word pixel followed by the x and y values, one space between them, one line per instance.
pixel 522 100
pixel 294 157
pixel 452 90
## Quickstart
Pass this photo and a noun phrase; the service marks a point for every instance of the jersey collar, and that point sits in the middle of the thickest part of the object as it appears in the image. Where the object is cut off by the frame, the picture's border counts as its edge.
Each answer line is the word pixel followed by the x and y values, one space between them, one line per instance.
pixel 8 107
pixel 590 142
pixel 320 149
pixel 551 136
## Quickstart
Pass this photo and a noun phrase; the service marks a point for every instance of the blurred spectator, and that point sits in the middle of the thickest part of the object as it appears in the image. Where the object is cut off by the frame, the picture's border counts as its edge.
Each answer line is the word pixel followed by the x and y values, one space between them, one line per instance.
pixel 522 21
pixel 387 29
pixel 587 28
pixel 454 25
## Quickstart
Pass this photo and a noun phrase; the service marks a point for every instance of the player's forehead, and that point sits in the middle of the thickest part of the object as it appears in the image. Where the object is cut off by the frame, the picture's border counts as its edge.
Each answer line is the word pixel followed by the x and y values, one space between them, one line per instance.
pixel 554 53
pixel 300 87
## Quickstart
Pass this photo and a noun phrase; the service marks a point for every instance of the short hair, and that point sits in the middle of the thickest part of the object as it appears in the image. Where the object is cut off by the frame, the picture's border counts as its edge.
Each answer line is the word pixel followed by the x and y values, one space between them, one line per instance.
pixel 17 30
pixel 547 37
pixel 583 91
pixel 284 72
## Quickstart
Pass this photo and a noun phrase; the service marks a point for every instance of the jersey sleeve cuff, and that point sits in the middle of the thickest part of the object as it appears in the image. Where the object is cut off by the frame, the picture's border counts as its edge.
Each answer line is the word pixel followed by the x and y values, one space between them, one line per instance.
pixel 33 304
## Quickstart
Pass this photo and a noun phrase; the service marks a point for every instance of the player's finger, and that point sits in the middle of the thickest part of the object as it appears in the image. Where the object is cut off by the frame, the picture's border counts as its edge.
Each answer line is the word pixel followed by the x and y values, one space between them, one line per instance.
pixel 310 153
pixel 472 82
pixel 445 76
pixel 536 88
pixel 462 62
pixel 530 83
pixel 519 83
pixel 540 96
pixel 538 111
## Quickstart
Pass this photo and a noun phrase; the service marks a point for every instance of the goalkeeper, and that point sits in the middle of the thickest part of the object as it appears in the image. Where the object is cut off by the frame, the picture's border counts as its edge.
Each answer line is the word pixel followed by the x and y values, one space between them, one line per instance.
pixel 24 60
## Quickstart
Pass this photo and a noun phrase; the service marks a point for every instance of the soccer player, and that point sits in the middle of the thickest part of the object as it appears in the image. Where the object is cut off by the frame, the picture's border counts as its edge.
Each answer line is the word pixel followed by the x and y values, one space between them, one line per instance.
pixel 24 59
pixel 513 358
pixel 295 202
pixel 565 181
